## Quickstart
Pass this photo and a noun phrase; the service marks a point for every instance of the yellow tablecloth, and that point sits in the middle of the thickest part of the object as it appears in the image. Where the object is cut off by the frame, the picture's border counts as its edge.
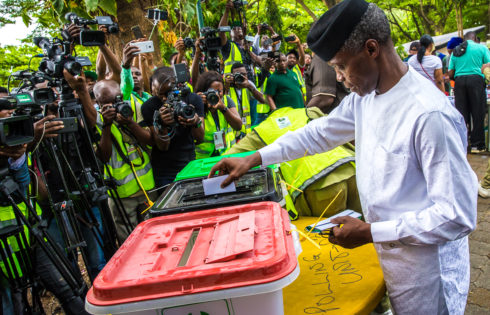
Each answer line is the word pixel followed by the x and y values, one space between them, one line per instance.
pixel 334 280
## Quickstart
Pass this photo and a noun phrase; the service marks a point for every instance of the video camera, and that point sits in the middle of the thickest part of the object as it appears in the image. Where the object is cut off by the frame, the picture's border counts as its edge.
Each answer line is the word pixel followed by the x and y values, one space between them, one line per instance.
pixel 89 37
pixel 211 44
pixel 57 57
pixel 15 130
pixel 180 90
pixel 239 4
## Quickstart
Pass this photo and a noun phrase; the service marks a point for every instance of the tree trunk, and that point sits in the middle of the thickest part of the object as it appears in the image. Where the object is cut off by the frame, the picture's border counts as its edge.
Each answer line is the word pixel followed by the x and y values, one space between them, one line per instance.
pixel 129 14
pixel 305 7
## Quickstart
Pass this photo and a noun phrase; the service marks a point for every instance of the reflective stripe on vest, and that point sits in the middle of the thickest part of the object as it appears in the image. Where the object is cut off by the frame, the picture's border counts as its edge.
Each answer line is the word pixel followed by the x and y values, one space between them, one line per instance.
pixel 7 217
pixel 190 87
pixel 233 57
pixel 301 81
pixel 301 172
pixel 243 109
pixel 121 171
pixel 206 148
pixel 263 108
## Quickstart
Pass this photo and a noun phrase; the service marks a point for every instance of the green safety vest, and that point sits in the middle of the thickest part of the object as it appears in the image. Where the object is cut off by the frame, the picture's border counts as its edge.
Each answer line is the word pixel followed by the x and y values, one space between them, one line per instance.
pixel 7 217
pixel 233 57
pixel 263 108
pixel 190 87
pixel 120 170
pixel 301 172
pixel 301 81
pixel 243 109
pixel 206 148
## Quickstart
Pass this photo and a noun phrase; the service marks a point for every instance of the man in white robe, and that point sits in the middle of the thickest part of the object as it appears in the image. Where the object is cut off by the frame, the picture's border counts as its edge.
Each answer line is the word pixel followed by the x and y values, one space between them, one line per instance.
pixel 417 189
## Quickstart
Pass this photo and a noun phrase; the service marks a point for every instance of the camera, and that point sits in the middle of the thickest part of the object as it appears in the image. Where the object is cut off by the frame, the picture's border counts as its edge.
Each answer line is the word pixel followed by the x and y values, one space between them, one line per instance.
pixel 264 26
pixel 189 42
pixel 179 107
pixel 16 130
pixel 89 37
pixel 123 107
pixel 57 57
pixel 211 45
pixel 212 96
pixel 238 78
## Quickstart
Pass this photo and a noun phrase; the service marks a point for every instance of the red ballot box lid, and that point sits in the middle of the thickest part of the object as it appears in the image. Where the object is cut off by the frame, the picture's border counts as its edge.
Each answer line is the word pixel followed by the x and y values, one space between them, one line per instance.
pixel 198 252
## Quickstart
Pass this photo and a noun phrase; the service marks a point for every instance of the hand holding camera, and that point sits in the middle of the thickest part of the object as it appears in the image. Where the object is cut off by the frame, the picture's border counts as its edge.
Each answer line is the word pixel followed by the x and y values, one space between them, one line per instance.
pixel 167 115
pixel 189 122
pixel 77 83
pixel 47 128
pixel 180 46
pixel 109 113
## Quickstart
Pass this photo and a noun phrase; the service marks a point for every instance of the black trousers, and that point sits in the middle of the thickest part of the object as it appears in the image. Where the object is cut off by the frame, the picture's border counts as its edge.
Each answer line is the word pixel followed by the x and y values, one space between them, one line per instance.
pixel 470 99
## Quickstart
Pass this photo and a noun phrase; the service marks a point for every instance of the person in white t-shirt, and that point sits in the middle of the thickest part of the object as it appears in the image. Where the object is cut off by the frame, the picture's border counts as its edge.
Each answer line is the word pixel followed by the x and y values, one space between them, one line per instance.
pixel 428 65
pixel 418 192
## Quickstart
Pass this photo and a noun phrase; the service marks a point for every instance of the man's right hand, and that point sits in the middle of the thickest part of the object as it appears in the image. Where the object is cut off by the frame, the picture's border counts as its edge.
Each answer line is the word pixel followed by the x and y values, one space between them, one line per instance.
pixel 179 46
pixel 129 53
pixel 14 152
pixel 167 116
pixel 48 127
pixel 235 167
pixel 108 113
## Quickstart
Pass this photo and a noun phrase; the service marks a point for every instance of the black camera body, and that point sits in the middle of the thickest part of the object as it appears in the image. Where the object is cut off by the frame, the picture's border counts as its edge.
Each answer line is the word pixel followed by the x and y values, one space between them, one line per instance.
pixel 211 45
pixel 264 26
pixel 16 130
pixel 179 107
pixel 89 37
pixel 239 4
pixel 189 42
pixel 57 57
pixel 212 96
pixel 123 107
pixel 238 78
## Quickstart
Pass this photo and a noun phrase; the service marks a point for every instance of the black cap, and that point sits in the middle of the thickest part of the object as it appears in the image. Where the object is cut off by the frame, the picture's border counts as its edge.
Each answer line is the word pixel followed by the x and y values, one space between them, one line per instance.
pixel 333 28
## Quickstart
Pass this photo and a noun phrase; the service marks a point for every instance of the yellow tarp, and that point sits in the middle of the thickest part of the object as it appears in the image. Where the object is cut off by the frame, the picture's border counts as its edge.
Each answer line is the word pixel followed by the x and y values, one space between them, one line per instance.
pixel 334 280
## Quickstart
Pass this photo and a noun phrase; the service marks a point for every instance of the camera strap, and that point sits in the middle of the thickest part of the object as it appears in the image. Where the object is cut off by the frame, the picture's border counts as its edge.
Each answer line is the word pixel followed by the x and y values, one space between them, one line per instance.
pixel 124 156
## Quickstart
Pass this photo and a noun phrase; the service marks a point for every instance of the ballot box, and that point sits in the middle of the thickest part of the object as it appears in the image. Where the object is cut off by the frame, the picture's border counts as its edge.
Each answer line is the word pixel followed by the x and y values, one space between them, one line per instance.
pixel 231 260
pixel 188 195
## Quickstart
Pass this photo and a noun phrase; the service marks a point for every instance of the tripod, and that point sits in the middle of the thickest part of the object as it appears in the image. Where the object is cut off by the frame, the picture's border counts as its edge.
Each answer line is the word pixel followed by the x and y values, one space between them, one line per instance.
pixel 20 272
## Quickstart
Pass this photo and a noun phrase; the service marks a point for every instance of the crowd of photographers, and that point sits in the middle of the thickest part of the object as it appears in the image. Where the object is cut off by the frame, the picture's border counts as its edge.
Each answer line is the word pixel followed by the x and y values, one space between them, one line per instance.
pixel 83 154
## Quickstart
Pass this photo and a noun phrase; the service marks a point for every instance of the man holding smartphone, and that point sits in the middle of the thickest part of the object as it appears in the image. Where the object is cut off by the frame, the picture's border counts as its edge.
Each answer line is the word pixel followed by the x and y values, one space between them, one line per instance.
pixel 296 61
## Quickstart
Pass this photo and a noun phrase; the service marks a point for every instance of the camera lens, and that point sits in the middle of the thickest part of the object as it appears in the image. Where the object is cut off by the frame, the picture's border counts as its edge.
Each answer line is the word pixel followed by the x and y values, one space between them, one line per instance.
pixel 73 67
pixel 238 78
pixel 124 109
pixel 212 97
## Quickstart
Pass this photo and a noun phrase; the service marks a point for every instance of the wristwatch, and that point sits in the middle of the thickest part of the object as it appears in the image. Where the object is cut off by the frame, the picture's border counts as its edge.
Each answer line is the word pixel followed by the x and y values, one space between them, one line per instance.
pixel 224 110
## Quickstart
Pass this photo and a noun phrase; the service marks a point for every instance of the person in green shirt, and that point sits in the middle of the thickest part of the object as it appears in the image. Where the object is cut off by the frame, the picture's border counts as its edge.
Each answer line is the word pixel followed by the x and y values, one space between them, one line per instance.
pixel 283 88
pixel 465 66
pixel 132 78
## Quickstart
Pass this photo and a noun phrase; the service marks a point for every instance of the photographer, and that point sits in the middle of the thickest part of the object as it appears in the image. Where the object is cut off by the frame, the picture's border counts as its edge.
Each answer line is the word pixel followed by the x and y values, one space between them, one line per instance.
pixel 123 150
pixel 283 87
pixel 12 302
pixel 221 117
pixel 296 63
pixel 173 137
pixel 132 83
pixel 235 50
pixel 263 74
pixel 242 91
pixel 265 44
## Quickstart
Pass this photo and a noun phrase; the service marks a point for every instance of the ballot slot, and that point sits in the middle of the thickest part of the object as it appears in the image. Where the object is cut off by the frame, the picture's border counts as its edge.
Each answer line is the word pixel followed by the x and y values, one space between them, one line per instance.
pixel 189 247
pixel 189 194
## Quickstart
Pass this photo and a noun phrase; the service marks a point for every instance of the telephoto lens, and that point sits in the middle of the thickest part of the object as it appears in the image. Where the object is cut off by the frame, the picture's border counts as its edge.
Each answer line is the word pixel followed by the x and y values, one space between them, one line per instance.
pixel 212 97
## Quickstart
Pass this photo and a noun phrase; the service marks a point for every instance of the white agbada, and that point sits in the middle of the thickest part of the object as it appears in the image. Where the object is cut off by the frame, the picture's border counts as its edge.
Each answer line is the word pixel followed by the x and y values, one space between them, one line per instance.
pixel 416 187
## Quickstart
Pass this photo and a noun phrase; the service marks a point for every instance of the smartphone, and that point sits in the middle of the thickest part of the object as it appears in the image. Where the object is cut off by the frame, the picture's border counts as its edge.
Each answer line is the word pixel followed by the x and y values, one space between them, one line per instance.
pixel 145 47
pixel 83 61
pixel 70 124
pixel 137 32
pixel 155 14
pixel 289 38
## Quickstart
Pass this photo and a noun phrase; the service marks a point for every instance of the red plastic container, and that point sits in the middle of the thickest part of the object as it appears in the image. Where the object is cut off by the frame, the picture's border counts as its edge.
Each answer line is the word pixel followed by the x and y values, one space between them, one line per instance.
pixel 197 252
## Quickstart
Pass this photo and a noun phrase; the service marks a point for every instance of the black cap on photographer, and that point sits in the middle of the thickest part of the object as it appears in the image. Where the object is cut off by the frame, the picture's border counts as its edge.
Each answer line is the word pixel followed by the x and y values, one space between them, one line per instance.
pixel 328 34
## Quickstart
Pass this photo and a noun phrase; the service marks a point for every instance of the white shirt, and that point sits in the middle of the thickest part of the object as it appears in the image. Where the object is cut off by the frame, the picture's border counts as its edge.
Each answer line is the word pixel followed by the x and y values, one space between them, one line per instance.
pixel 259 49
pixel 415 184
pixel 430 64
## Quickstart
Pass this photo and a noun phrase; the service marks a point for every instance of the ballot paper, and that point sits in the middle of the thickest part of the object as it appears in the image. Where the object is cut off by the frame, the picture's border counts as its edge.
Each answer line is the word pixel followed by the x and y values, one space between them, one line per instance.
pixel 326 224
pixel 212 186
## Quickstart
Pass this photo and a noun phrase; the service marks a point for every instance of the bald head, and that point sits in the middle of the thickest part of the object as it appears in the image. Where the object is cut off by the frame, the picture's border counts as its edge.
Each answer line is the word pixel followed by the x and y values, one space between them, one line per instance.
pixel 470 35
pixel 105 91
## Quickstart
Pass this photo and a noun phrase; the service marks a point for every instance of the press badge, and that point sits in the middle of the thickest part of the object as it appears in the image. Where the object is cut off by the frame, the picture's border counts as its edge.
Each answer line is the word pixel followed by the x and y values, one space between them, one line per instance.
pixel 283 122
pixel 219 140
pixel 244 121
